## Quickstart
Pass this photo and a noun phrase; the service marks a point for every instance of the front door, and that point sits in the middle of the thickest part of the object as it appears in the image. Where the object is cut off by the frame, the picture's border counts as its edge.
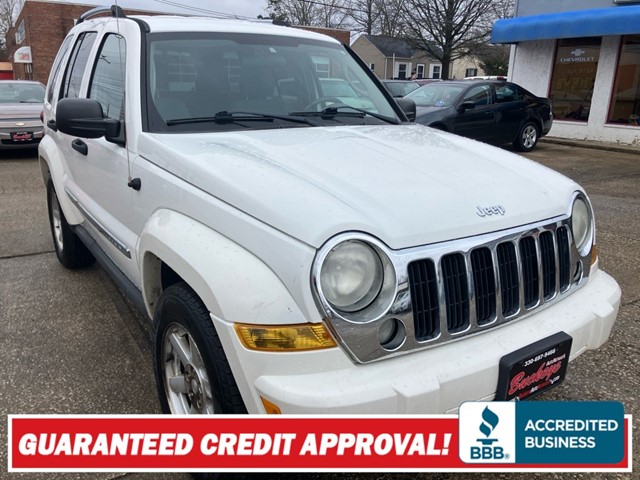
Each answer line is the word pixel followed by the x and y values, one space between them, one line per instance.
pixel 478 122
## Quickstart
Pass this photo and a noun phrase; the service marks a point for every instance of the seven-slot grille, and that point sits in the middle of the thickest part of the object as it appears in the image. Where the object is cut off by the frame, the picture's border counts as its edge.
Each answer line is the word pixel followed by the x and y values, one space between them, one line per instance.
pixel 490 283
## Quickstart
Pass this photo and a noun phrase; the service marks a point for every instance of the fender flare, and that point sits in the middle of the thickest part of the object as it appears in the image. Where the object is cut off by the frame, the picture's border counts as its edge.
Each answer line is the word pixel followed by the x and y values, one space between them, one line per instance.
pixel 233 283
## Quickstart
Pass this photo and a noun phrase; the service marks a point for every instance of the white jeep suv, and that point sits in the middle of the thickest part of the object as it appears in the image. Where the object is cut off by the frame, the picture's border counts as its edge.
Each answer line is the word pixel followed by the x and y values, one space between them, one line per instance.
pixel 298 252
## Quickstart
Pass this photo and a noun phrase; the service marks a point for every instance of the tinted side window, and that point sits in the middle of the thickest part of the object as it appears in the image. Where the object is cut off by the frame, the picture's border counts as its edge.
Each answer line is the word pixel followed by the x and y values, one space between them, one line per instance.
pixel 56 66
pixel 77 63
pixel 107 84
pixel 480 95
pixel 507 93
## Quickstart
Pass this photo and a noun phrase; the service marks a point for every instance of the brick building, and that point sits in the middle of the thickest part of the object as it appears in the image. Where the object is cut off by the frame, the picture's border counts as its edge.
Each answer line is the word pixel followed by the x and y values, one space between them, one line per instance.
pixel 42 25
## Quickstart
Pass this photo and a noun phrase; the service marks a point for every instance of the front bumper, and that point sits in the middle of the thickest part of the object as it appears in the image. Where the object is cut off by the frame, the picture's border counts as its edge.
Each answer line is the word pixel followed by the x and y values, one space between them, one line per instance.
pixel 436 380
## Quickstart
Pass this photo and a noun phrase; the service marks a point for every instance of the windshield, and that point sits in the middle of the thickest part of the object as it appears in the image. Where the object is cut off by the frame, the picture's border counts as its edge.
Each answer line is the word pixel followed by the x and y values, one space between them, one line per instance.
pixel 198 75
pixel 439 94
pixel 14 92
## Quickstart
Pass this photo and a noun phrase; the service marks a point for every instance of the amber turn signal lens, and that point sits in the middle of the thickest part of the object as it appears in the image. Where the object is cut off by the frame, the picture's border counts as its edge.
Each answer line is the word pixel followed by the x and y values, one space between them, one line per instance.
pixel 284 338
pixel 270 408
pixel 594 254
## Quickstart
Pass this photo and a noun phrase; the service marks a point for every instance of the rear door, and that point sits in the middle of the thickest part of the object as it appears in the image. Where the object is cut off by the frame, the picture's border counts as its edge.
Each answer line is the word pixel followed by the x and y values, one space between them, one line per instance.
pixel 70 87
pixel 511 111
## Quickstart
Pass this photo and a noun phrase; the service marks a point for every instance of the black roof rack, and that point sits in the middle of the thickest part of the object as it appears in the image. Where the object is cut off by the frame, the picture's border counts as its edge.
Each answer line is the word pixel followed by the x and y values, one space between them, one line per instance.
pixel 115 11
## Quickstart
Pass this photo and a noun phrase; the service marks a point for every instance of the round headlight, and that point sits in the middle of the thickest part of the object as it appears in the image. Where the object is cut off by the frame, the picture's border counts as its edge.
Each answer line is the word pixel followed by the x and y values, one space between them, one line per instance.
pixel 582 226
pixel 351 276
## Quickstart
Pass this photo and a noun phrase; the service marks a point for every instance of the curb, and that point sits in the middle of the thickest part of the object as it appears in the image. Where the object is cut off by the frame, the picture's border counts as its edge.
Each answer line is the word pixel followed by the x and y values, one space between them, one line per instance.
pixel 610 147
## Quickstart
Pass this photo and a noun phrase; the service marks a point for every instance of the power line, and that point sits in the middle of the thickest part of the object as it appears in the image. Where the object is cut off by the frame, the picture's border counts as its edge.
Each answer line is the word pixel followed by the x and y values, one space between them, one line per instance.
pixel 211 13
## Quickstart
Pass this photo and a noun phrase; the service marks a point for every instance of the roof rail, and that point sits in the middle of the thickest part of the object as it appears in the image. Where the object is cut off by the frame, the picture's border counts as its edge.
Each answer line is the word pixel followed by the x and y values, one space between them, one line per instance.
pixel 115 11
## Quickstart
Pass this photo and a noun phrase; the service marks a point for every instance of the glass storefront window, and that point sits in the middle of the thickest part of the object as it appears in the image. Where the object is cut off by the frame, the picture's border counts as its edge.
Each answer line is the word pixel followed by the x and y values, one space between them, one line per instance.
pixel 574 75
pixel 625 101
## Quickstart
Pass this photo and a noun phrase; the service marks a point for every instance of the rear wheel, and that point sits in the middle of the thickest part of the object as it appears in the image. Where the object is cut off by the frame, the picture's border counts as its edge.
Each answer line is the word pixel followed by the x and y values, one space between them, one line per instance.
pixel 192 372
pixel 527 137
pixel 70 250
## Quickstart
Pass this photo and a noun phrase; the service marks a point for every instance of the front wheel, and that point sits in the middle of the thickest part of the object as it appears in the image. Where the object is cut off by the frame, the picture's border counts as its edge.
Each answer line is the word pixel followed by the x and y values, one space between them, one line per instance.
pixel 192 372
pixel 527 137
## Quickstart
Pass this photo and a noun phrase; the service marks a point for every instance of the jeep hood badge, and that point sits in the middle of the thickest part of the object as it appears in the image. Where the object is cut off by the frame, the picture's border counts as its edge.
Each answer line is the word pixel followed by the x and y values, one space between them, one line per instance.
pixel 492 210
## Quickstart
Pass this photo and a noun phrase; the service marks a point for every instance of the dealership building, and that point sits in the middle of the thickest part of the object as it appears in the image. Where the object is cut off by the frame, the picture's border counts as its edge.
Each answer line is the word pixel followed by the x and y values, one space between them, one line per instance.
pixel 585 56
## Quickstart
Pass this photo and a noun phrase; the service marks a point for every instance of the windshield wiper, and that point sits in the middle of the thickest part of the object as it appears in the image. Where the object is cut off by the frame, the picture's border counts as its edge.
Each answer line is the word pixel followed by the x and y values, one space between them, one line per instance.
pixel 333 110
pixel 224 117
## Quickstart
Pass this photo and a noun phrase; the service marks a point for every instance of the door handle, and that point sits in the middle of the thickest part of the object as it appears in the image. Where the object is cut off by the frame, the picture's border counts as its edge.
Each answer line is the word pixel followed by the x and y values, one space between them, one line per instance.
pixel 52 125
pixel 79 146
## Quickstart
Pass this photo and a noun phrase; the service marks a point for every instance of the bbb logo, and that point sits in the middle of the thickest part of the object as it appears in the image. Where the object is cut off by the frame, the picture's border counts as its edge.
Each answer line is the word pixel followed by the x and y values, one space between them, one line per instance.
pixel 487 432
pixel 488 451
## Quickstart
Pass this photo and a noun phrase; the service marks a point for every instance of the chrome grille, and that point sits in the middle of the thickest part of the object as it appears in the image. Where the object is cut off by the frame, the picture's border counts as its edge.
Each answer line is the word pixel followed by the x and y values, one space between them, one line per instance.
pixel 446 291
pixel 524 268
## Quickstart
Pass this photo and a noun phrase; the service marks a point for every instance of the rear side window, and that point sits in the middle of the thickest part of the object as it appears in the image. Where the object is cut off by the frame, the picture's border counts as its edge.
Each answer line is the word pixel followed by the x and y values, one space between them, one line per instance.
pixel 108 81
pixel 77 64
pixel 56 66
pixel 508 93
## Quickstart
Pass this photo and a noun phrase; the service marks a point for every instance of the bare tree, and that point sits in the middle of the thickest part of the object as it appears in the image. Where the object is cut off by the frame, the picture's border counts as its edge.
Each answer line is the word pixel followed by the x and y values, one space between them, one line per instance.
pixel 315 13
pixel 377 17
pixel 451 29
pixel 8 11
pixel 332 13
pixel 365 14
pixel 391 21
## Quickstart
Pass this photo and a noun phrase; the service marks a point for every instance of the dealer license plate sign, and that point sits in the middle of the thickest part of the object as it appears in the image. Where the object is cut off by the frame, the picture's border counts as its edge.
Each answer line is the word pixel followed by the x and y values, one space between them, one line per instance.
pixel 21 136
pixel 534 369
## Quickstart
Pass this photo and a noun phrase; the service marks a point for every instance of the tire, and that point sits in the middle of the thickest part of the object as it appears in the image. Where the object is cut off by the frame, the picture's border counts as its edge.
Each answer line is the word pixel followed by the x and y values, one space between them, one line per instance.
pixel 202 382
pixel 527 138
pixel 70 250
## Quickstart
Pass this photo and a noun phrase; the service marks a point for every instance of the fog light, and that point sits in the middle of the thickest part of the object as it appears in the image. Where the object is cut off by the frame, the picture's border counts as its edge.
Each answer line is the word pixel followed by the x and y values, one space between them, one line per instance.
pixel 391 334
pixel 284 338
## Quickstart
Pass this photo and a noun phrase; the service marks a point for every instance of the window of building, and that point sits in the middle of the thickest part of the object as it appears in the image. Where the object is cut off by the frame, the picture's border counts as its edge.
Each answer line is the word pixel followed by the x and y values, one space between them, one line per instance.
pixel 108 81
pixel 75 69
pixel 420 70
pixel 471 72
pixel 403 70
pixel 574 75
pixel 625 100
pixel 435 71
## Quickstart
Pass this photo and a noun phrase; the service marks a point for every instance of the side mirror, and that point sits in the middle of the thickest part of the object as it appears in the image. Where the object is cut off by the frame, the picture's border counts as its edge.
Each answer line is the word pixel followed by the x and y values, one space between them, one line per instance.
pixel 83 117
pixel 408 106
pixel 463 107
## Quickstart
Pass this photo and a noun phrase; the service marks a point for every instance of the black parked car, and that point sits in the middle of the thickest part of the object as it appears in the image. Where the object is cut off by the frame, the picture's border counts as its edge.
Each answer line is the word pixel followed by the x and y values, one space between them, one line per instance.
pixel 490 111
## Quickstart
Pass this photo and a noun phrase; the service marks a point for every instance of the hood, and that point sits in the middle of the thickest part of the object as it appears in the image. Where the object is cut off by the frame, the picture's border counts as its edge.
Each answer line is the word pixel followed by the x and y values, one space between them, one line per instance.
pixel 407 185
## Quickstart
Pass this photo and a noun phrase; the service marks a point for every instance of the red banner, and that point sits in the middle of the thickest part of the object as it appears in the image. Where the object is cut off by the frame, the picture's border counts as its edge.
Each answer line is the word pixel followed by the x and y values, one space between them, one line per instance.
pixel 242 443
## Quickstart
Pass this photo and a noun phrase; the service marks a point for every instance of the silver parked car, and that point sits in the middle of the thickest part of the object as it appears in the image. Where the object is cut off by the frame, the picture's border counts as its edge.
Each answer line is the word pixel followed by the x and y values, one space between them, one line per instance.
pixel 21 103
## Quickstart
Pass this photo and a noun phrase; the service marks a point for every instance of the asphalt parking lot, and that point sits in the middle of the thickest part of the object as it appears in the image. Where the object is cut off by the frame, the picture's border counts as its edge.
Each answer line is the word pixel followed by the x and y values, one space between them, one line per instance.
pixel 70 343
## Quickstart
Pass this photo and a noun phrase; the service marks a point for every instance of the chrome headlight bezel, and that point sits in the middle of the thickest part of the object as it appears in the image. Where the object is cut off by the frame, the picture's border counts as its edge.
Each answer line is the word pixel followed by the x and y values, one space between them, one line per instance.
pixel 582 224
pixel 372 306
